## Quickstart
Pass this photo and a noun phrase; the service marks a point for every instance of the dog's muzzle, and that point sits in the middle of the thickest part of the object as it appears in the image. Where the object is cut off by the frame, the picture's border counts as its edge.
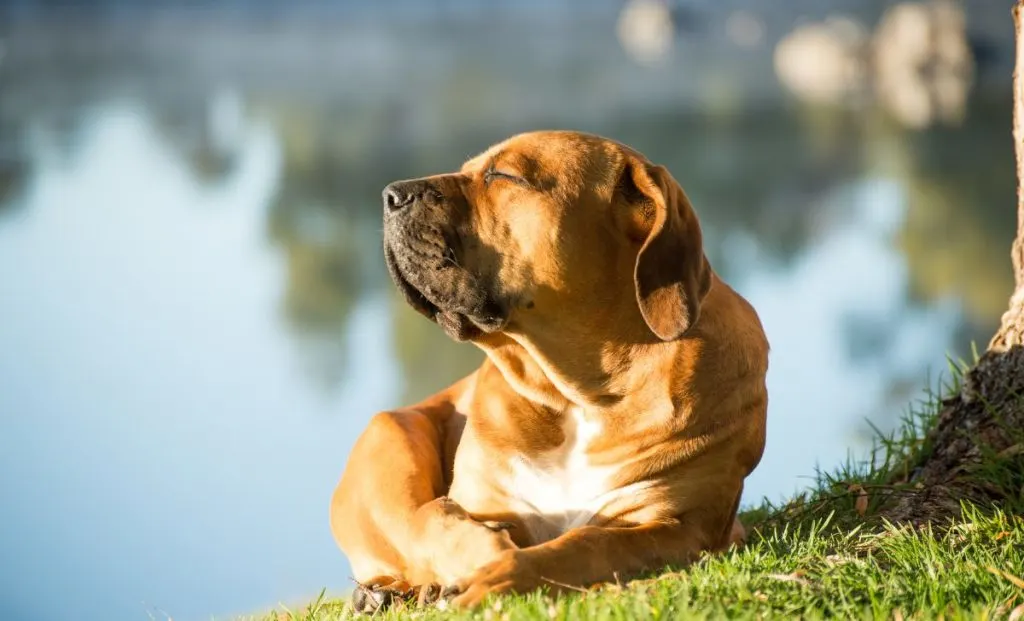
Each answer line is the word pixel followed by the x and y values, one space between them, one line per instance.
pixel 420 249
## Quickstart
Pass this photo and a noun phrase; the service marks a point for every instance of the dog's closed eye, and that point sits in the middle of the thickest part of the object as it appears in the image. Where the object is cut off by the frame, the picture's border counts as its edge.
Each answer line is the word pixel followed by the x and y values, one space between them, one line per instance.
pixel 491 174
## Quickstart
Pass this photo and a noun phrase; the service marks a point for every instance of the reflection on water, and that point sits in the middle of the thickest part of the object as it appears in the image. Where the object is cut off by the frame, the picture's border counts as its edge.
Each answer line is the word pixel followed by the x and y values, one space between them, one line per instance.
pixel 197 323
pixel 155 420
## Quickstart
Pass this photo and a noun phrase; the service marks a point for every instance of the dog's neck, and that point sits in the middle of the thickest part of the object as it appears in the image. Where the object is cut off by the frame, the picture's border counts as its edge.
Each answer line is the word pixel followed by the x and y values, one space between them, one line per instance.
pixel 592 377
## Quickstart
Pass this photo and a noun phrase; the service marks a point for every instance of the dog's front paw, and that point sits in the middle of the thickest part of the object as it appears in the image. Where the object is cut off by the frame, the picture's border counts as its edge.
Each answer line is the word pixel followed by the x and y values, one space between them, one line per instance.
pixel 451 544
pixel 511 572
pixel 380 594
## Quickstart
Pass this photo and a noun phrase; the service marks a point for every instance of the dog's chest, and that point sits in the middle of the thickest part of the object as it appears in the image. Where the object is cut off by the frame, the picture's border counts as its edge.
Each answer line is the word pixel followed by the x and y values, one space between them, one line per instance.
pixel 561 489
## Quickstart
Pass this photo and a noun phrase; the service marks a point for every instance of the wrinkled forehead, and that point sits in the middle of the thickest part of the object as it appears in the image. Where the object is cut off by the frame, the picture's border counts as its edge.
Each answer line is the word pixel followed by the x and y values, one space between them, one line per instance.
pixel 549 157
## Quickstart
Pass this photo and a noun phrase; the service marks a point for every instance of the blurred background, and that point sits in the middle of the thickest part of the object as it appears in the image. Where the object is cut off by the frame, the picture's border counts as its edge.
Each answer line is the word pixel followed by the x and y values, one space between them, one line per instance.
pixel 195 318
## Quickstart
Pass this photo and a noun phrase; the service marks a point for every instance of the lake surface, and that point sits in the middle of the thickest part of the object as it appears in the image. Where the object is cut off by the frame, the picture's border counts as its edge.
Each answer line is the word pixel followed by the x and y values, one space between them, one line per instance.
pixel 196 322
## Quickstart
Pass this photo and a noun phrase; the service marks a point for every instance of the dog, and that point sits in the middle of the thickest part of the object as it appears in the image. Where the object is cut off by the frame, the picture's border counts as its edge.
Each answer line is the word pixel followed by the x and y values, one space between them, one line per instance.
pixel 621 403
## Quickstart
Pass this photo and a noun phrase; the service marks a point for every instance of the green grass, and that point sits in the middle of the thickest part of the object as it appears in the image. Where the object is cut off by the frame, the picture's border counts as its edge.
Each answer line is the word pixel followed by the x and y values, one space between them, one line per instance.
pixel 825 553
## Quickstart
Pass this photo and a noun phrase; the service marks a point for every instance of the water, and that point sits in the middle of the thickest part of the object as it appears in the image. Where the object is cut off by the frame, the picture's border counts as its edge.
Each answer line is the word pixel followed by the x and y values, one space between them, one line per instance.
pixel 195 320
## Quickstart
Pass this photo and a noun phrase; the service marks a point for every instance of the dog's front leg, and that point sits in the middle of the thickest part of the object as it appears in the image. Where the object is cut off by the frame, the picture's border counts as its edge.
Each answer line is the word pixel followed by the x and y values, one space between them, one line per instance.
pixel 390 516
pixel 592 554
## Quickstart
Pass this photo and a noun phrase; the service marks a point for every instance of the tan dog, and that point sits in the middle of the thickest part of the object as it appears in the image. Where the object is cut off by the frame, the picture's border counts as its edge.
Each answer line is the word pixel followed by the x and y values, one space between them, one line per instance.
pixel 619 409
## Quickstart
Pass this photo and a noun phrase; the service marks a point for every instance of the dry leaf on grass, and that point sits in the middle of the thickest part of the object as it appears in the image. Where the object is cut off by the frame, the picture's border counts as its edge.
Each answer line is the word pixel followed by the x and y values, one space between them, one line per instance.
pixel 1017 582
pixel 1010 451
pixel 861 504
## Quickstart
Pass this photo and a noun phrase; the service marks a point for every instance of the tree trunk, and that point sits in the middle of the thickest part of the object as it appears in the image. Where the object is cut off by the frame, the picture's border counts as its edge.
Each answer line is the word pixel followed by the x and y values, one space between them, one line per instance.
pixel 984 423
pixel 1011 332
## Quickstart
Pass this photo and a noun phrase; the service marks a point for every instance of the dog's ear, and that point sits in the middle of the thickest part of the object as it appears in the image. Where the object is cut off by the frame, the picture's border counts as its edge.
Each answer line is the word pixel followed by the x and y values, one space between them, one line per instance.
pixel 672 275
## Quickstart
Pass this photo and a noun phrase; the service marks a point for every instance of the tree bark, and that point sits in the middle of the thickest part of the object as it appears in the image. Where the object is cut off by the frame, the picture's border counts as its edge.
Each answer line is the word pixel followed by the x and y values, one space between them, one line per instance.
pixel 984 422
pixel 1011 330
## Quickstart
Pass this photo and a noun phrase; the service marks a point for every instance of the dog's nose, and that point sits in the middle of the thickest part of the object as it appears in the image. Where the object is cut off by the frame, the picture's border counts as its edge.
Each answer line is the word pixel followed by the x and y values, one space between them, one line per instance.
pixel 401 194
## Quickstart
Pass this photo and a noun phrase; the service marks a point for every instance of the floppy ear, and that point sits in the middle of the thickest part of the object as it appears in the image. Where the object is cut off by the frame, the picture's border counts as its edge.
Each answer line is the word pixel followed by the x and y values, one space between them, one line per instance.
pixel 672 275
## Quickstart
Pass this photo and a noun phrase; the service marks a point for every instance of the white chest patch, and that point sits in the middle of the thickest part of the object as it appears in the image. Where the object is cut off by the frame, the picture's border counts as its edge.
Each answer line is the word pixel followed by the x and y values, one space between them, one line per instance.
pixel 561 488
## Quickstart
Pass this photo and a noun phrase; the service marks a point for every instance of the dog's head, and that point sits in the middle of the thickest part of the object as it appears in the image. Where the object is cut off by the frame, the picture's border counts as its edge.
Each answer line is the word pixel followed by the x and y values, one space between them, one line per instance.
pixel 546 231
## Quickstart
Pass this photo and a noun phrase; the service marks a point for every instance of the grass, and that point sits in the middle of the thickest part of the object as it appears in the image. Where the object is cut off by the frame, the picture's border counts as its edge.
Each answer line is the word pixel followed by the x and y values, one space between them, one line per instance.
pixel 825 553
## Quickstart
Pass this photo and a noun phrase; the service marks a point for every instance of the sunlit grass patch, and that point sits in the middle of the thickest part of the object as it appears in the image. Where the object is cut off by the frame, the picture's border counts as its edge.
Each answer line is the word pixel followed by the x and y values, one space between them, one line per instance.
pixel 827 552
